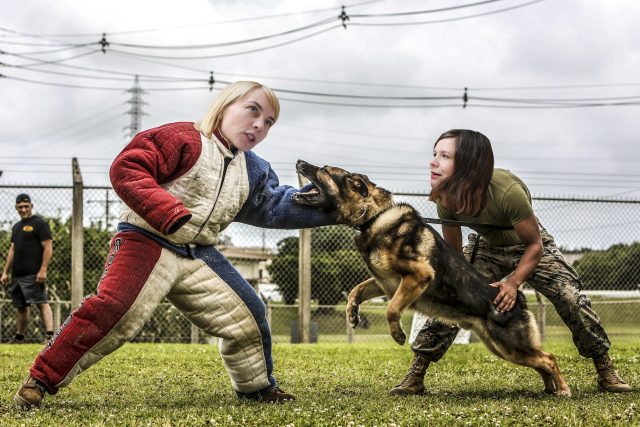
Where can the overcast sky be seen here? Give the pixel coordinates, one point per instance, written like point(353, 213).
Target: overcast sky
point(549, 54)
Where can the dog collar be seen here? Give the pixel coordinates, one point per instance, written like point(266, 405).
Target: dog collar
point(367, 224)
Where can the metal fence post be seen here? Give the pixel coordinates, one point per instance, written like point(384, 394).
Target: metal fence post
point(304, 281)
point(57, 312)
point(77, 237)
point(350, 334)
point(195, 332)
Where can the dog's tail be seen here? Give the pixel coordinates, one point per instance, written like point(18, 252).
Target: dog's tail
point(505, 317)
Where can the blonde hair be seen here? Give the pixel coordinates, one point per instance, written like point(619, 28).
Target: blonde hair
point(229, 95)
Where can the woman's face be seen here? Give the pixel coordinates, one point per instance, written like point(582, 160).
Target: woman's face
point(247, 120)
point(441, 164)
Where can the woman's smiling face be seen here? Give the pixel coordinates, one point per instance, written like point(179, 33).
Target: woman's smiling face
point(442, 164)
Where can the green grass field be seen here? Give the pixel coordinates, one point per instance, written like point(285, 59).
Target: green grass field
point(336, 385)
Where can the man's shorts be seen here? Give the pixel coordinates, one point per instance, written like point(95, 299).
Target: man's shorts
point(25, 291)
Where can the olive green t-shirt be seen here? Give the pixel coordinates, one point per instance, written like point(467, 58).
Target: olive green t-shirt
point(509, 203)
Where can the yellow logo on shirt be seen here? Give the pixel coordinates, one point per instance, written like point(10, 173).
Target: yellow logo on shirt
point(27, 228)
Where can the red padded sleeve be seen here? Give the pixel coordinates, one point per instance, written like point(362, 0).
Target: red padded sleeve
point(154, 157)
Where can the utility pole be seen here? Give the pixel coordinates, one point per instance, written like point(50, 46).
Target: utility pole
point(135, 112)
point(304, 280)
point(77, 237)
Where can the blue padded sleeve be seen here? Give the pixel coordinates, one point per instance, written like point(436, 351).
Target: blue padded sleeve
point(270, 205)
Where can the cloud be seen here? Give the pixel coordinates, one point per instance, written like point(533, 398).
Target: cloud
point(548, 44)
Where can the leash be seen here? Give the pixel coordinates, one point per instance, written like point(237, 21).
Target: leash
point(465, 224)
point(452, 222)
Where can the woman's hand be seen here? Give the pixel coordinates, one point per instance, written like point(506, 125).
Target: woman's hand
point(506, 298)
point(529, 233)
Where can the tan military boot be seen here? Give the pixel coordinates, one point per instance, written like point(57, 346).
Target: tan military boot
point(413, 383)
point(608, 379)
point(30, 393)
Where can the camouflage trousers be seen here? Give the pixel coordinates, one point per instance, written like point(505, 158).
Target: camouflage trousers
point(553, 277)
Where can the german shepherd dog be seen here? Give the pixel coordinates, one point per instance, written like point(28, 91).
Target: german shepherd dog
point(414, 267)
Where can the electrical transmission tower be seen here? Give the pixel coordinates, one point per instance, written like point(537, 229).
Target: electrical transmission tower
point(135, 112)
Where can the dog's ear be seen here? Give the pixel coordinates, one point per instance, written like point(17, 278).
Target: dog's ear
point(360, 186)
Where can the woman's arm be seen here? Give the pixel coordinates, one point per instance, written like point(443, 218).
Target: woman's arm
point(155, 156)
point(529, 234)
point(453, 236)
point(271, 205)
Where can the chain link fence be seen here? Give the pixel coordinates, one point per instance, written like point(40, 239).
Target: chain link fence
point(600, 238)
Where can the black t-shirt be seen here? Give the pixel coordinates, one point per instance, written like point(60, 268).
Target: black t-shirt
point(27, 237)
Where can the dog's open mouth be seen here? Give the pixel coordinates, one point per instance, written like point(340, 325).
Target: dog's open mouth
point(310, 194)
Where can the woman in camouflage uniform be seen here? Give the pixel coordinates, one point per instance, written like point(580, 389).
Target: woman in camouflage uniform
point(466, 187)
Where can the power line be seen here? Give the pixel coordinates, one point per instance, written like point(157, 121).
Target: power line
point(103, 71)
point(218, 72)
point(555, 100)
point(443, 20)
point(227, 21)
point(48, 44)
point(103, 42)
point(61, 84)
point(118, 79)
point(57, 61)
point(542, 104)
point(152, 77)
point(516, 144)
point(224, 44)
point(41, 52)
point(423, 12)
point(226, 55)
point(573, 86)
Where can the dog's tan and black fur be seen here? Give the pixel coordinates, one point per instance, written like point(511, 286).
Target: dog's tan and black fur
point(414, 267)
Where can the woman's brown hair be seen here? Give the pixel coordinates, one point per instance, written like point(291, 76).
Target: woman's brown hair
point(466, 190)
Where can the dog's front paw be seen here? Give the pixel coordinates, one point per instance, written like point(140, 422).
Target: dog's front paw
point(398, 335)
point(353, 317)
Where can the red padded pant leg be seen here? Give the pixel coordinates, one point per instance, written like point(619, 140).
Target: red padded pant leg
point(131, 260)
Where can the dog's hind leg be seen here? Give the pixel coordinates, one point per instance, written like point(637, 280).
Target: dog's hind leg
point(520, 344)
point(359, 294)
point(549, 385)
point(546, 364)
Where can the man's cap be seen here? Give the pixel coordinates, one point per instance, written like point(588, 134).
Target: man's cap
point(23, 198)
